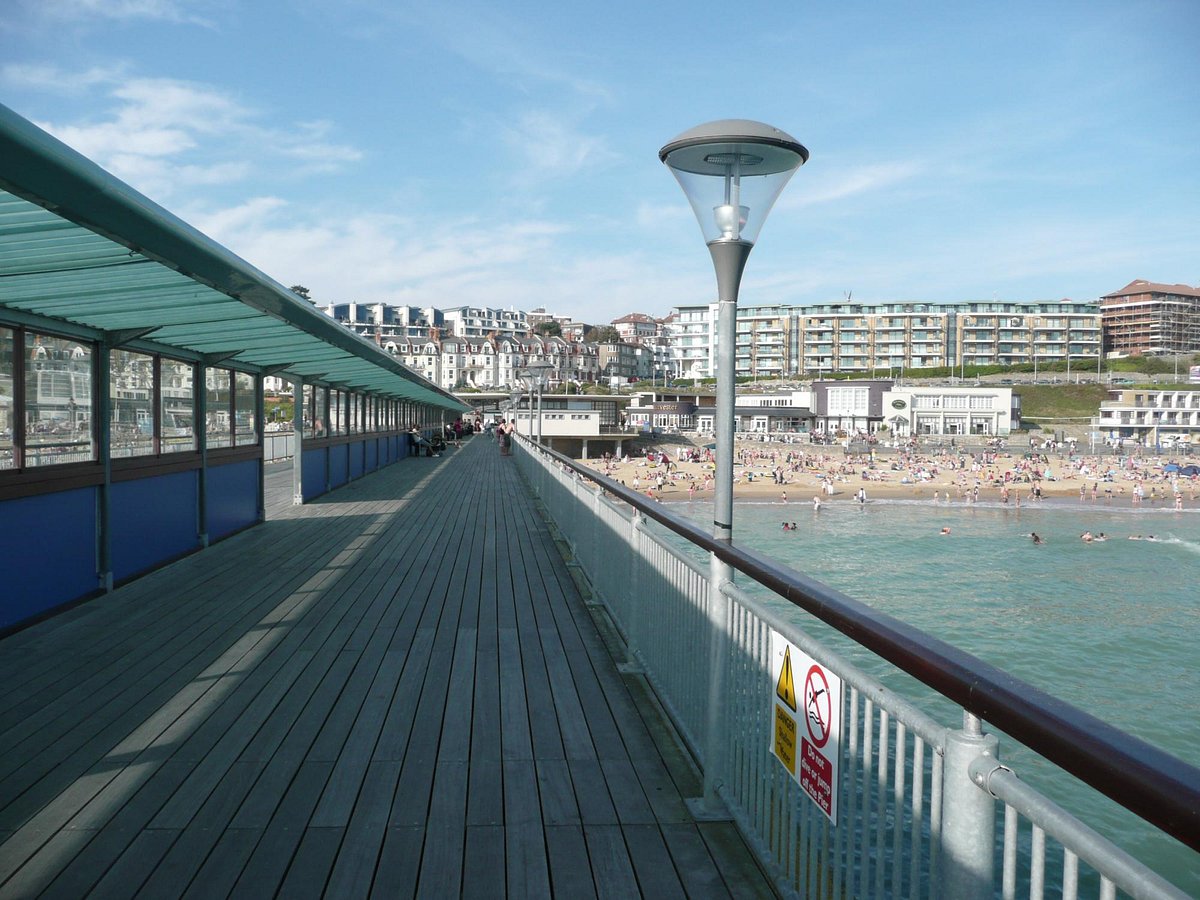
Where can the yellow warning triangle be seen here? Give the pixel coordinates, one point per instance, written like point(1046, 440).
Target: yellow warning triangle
point(786, 688)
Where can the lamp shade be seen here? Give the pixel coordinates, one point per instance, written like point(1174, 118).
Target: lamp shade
point(732, 171)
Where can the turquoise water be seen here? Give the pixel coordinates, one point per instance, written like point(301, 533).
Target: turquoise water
point(1111, 627)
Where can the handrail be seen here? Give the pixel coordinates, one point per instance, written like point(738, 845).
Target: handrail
point(1160, 788)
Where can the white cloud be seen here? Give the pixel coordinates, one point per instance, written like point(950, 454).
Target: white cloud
point(178, 11)
point(551, 147)
point(379, 258)
point(848, 183)
point(164, 136)
point(55, 80)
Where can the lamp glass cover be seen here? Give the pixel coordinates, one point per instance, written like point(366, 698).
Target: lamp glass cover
point(732, 185)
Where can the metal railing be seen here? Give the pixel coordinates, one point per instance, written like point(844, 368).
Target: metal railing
point(917, 801)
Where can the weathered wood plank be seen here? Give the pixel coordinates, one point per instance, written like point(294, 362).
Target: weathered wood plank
point(483, 865)
point(570, 868)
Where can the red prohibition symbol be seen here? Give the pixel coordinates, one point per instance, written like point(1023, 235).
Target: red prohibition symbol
point(818, 706)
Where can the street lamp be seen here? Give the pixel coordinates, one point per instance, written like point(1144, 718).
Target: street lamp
point(732, 171)
point(535, 375)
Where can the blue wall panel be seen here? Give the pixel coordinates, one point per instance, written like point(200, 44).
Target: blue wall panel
point(232, 501)
point(313, 473)
point(153, 520)
point(372, 448)
point(356, 451)
point(48, 552)
point(338, 465)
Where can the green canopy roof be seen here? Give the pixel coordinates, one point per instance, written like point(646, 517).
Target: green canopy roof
point(82, 248)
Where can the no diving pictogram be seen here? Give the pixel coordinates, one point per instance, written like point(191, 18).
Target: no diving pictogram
point(818, 705)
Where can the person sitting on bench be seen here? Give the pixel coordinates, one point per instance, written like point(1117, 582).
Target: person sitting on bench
point(420, 441)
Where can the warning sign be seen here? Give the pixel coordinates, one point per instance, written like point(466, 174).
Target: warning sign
point(785, 686)
point(815, 766)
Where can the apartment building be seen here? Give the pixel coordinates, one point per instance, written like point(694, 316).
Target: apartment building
point(1152, 417)
point(766, 342)
point(383, 321)
point(1030, 333)
point(477, 322)
point(493, 363)
point(866, 339)
point(637, 328)
point(1144, 317)
point(692, 335)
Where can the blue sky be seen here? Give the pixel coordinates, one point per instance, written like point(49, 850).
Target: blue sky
point(505, 154)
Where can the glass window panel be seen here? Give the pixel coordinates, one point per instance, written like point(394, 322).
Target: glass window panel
point(336, 416)
point(178, 406)
point(245, 400)
point(131, 413)
point(320, 412)
point(7, 400)
point(309, 406)
point(58, 401)
point(218, 425)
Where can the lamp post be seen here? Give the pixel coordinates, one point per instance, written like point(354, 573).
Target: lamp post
point(731, 171)
point(534, 375)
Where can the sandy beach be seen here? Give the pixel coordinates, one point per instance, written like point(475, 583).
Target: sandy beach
point(954, 476)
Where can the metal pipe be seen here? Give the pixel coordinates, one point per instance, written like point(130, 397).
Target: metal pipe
point(968, 816)
point(1002, 784)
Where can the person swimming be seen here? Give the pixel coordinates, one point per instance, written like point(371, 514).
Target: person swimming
point(1036, 539)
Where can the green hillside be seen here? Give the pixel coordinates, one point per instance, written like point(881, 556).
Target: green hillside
point(1060, 401)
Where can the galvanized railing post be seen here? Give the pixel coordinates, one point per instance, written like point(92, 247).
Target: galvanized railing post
point(968, 816)
point(715, 725)
point(633, 609)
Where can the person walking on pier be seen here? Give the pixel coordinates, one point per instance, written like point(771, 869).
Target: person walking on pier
point(504, 436)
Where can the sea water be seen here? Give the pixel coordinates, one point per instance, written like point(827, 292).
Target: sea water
point(1110, 626)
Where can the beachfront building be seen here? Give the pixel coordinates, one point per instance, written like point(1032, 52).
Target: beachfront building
point(382, 322)
point(1153, 418)
point(637, 328)
point(858, 338)
point(621, 363)
point(940, 410)
point(695, 412)
point(1147, 318)
point(846, 408)
point(693, 337)
point(782, 342)
point(494, 363)
point(1035, 333)
point(481, 321)
point(766, 342)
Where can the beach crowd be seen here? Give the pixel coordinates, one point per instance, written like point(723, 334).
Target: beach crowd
point(942, 474)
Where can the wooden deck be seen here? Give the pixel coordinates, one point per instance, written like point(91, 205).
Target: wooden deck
point(394, 691)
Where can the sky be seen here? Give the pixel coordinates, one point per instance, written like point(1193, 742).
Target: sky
point(506, 154)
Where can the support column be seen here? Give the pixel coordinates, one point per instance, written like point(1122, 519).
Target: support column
point(729, 260)
point(968, 817)
point(297, 442)
point(201, 429)
point(103, 431)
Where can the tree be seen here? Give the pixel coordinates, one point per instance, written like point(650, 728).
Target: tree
point(551, 328)
point(300, 291)
point(607, 335)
